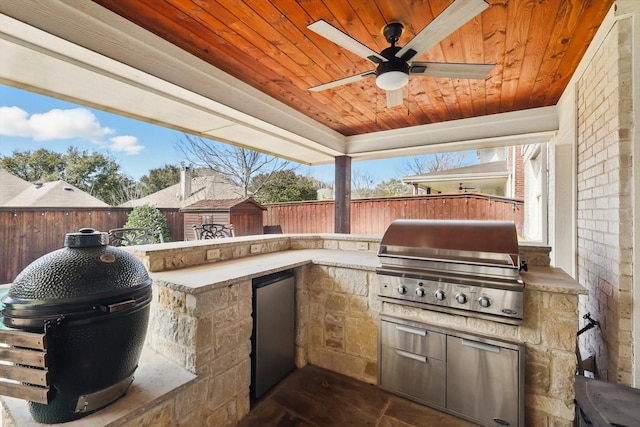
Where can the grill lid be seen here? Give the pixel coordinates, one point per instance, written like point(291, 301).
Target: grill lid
point(452, 245)
point(84, 279)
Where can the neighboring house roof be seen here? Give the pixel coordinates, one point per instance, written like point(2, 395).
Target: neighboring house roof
point(476, 177)
point(202, 188)
point(54, 194)
point(11, 186)
point(220, 205)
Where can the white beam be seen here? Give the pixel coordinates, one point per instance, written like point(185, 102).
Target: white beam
point(514, 128)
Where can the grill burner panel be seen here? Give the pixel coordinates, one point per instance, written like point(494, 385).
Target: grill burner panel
point(464, 267)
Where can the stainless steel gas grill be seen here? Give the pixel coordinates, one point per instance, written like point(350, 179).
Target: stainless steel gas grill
point(470, 268)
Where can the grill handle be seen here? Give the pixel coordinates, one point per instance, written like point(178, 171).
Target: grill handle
point(417, 357)
point(409, 330)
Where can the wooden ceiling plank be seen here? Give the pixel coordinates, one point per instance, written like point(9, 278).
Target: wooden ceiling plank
point(538, 41)
point(452, 49)
point(172, 24)
point(588, 17)
point(556, 49)
point(347, 20)
point(518, 25)
point(370, 16)
point(494, 30)
point(473, 52)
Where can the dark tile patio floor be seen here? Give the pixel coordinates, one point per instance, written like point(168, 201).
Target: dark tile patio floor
point(314, 397)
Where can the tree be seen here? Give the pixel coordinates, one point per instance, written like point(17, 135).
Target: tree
point(149, 217)
point(159, 179)
point(285, 186)
point(392, 187)
point(418, 165)
point(362, 184)
point(237, 164)
point(95, 173)
point(40, 165)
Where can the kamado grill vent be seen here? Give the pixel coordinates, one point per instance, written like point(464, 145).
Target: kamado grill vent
point(470, 268)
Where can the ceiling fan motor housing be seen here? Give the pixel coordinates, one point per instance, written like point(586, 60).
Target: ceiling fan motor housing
point(393, 74)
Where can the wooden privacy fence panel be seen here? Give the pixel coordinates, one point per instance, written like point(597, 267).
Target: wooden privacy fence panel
point(28, 233)
point(302, 217)
point(372, 216)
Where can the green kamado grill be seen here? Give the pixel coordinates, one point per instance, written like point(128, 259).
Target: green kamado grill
point(92, 301)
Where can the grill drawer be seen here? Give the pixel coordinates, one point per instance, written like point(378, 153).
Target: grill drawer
point(414, 340)
point(413, 375)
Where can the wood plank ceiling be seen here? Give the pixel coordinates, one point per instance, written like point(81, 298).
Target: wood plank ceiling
point(535, 44)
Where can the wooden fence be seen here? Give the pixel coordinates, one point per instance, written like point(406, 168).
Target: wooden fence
point(28, 233)
point(372, 216)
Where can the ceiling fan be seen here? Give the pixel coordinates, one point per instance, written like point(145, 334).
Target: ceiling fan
point(393, 66)
point(465, 189)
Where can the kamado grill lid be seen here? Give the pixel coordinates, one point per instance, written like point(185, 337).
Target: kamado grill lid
point(86, 278)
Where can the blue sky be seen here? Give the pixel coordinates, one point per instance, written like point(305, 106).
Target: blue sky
point(29, 121)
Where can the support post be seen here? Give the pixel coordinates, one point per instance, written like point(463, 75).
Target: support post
point(343, 194)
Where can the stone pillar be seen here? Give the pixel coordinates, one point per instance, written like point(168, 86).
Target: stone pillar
point(343, 194)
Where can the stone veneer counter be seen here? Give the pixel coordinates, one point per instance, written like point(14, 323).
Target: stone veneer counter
point(202, 277)
point(201, 321)
point(211, 276)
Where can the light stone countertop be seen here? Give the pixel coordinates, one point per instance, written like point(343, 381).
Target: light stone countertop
point(156, 379)
point(210, 276)
point(552, 279)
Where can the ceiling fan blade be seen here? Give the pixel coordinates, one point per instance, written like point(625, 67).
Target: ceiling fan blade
point(453, 17)
point(344, 81)
point(394, 98)
point(451, 70)
point(331, 33)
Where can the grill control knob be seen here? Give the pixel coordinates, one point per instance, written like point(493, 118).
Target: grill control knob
point(484, 302)
point(461, 298)
point(440, 295)
point(402, 289)
point(420, 292)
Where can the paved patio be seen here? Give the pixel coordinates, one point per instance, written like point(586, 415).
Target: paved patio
point(314, 397)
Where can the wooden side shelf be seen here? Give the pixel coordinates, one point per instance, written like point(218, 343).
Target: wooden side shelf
point(24, 371)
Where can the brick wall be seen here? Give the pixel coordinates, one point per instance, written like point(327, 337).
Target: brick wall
point(604, 178)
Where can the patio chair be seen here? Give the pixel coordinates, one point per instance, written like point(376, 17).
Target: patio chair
point(213, 231)
point(134, 236)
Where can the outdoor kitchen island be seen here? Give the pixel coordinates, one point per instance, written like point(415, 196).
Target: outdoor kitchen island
point(201, 321)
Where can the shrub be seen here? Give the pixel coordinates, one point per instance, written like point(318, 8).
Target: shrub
point(149, 217)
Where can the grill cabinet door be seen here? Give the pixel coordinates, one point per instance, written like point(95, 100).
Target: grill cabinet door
point(412, 362)
point(482, 381)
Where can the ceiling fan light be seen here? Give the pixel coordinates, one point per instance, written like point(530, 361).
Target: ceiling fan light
point(392, 80)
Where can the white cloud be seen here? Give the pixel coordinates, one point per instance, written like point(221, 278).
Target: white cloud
point(52, 125)
point(127, 144)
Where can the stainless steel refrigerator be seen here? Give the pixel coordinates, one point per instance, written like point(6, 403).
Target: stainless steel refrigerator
point(273, 338)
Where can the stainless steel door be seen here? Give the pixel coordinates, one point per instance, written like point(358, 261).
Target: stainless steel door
point(482, 381)
point(273, 340)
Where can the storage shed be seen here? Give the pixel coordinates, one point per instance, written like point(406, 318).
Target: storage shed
point(244, 213)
